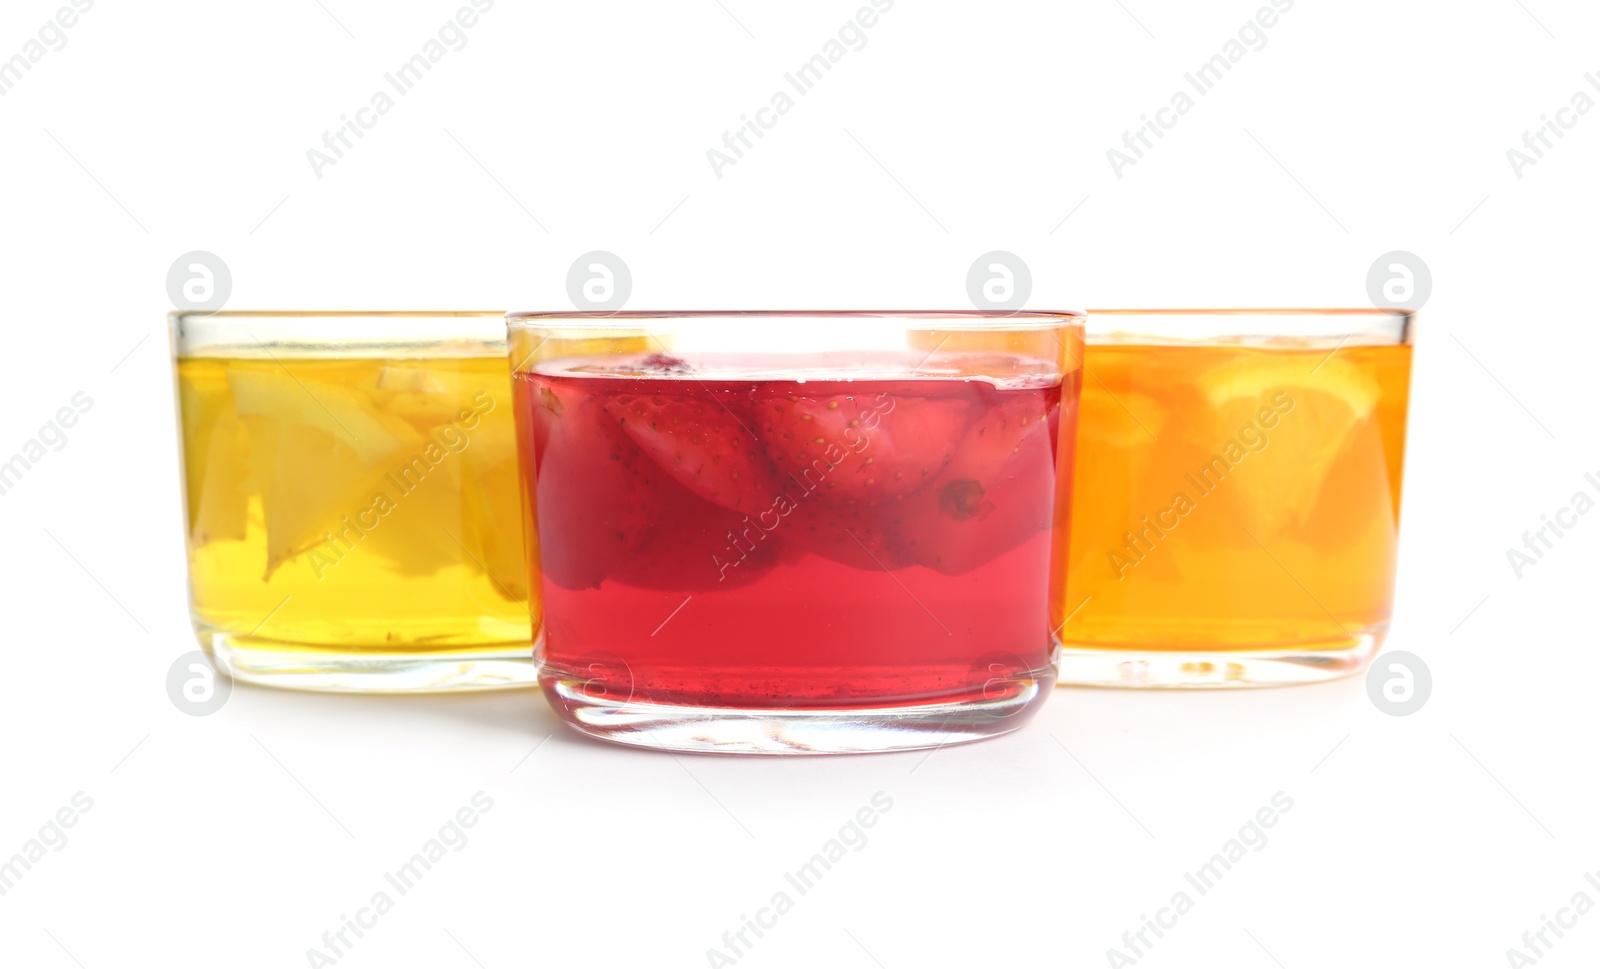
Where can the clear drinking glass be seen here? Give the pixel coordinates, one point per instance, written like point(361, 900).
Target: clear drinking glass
point(796, 532)
point(1238, 496)
point(354, 512)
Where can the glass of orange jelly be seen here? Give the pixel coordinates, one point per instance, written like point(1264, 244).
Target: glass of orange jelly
point(354, 518)
point(1237, 496)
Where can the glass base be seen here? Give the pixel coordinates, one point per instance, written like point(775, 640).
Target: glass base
point(297, 666)
point(1088, 664)
point(998, 709)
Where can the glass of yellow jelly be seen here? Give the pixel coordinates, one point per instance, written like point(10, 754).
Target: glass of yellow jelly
point(1236, 502)
point(354, 516)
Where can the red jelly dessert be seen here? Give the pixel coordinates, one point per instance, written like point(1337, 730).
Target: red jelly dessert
point(717, 534)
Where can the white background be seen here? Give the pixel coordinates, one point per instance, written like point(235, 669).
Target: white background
point(1361, 127)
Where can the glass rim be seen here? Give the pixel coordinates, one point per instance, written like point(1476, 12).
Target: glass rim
point(946, 319)
point(177, 316)
point(1358, 326)
point(336, 333)
point(1293, 311)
